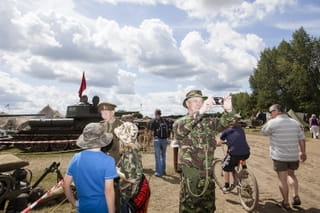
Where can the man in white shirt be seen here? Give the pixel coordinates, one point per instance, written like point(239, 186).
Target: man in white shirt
point(287, 147)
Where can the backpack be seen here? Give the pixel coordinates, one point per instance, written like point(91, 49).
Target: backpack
point(139, 202)
point(162, 130)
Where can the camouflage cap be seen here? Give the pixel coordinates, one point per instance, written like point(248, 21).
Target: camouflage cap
point(93, 136)
point(127, 132)
point(106, 106)
point(229, 118)
point(192, 94)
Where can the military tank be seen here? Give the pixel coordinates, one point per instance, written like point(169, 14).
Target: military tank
point(55, 134)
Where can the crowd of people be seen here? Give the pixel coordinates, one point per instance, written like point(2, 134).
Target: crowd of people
point(108, 173)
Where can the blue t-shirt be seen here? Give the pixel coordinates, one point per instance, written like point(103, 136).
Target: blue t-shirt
point(89, 171)
point(236, 141)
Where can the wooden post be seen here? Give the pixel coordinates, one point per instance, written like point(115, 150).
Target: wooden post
point(175, 148)
point(175, 158)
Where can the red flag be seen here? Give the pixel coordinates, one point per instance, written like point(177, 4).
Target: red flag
point(83, 85)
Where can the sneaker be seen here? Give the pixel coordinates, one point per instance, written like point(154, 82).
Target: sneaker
point(296, 201)
point(226, 189)
point(232, 186)
point(157, 175)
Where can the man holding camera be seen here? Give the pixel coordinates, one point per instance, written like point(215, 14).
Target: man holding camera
point(195, 134)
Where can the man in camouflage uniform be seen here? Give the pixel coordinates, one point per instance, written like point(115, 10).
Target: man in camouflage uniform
point(110, 122)
point(195, 134)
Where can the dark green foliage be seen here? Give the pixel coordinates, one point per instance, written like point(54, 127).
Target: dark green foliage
point(289, 75)
point(242, 104)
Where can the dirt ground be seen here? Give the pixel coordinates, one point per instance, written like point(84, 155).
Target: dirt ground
point(165, 190)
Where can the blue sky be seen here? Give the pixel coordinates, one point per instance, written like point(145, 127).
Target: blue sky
point(138, 54)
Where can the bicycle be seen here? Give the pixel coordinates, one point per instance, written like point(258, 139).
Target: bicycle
point(244, 181)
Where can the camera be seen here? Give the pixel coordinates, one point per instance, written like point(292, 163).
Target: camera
point(218, 100)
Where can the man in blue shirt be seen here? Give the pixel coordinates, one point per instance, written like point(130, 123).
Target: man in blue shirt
point(92, 172)
point(238, 148)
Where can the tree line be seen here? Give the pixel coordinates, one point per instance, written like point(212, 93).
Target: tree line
point(288, 74)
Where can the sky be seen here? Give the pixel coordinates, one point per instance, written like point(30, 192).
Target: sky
point(141, 55)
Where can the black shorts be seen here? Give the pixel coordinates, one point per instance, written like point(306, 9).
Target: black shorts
point(229, 162)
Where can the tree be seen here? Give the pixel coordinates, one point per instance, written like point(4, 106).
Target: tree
point(242, 104)
point(289, 75)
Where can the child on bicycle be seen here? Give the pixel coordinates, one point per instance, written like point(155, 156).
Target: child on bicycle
point(238, 148)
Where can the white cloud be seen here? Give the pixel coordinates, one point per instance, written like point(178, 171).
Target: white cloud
point(247, 12)
point(126, 82)
point(25, 98)
point(226, 57)
point(52, 42)
point(236, 11)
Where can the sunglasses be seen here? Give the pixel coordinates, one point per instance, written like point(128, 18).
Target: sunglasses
point(271, 111)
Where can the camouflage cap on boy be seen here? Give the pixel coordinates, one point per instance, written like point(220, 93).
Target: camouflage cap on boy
point(127, 133)
point(93, 136)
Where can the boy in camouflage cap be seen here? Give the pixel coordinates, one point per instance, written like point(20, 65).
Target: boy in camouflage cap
point(94, 184)
point(195, 134)
point(130, 164)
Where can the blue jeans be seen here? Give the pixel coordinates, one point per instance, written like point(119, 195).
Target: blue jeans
point(160, 148)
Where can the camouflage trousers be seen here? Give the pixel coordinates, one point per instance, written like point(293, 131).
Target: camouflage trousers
point(202, 204)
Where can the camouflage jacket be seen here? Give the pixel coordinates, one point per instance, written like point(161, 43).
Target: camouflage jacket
point(131, 165)
point(114, 148)
point(195, 134)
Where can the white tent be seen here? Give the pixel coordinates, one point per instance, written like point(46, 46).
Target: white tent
point(298, 116)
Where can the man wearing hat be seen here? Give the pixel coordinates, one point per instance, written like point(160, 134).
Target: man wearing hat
point(94, 184)
point(195, 134)
point(110, 122)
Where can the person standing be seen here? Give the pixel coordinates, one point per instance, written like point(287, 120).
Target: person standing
point(160, 128)
point(94, 184)
point(130, 165)
point(287, 147)
point(195, 135)
point(314, 126)
point(110, 122)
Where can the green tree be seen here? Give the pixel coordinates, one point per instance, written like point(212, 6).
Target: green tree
point(241, 103)
point(289, 75)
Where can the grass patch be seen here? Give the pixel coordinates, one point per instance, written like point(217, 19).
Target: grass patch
point(38, 164)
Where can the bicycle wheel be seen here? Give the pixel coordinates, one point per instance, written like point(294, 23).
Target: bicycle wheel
point(248, 190)
point(218, 172)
